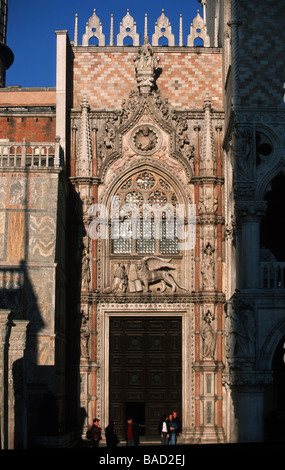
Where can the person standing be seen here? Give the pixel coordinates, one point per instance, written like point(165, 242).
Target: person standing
point(163, 430)
point(95, 433)
point(177, 420)
point(111, 437)
point(133, 435)
point(173, 429)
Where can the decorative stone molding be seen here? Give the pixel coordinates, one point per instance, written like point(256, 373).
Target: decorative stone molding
point(247, 379)
point(244, 191)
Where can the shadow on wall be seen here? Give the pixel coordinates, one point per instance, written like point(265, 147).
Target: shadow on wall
point(30, 408)
point(274, 404)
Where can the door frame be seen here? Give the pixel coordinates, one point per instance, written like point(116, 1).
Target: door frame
point(186, 313)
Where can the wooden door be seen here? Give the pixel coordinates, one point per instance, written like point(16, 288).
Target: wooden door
point(145, 370)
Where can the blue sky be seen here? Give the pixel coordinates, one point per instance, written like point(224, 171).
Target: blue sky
point(32, 26)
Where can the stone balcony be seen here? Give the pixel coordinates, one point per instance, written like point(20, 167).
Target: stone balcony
point(38, 155)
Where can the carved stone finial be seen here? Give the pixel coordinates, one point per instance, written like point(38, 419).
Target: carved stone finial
point(198, 29)
point(128, 28)
point(163, 29)
point(145, 66)
point(93, 28)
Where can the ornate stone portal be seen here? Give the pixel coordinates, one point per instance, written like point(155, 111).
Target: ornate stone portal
point(147, 159)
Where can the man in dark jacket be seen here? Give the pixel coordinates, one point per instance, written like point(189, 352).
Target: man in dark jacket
point(95, 433)
point(133, 434)
point(177, 420)
point(111, 437)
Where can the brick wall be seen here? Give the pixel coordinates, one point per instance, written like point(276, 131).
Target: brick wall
point(27, 113)
point(107, 75)
point(33, 129)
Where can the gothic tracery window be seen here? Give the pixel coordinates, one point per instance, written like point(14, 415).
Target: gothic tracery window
point(151, 194)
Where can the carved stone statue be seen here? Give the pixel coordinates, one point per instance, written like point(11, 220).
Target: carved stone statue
point(86, 275)
point(240, 334)
point(145, 66)
point(120, 279)
point(134, 283)
point(153, 269)
point(84, 334)
point(209, 336)
point(208, 268)
point(145, 139)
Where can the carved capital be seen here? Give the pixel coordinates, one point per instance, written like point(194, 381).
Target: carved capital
point(251, 209)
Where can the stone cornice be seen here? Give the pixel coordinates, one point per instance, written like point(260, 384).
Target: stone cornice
point(149, 298)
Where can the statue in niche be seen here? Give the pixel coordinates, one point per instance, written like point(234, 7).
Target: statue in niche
point(243, 146)
point(209, 336)
point(120, 279)
point(84, 334)
point(240, 332)
point(86, 274)
point(208, 268)
point(153, 269)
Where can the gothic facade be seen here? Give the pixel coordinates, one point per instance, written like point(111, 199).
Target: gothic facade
point(141, 256)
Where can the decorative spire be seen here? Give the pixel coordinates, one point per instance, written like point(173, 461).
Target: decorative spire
point(180, 31)
point(198, 29)
point(128, 27)
point(85, 151)
point(76, 30)
point(93, 29)
point(145, 26)
point(208, 153)
point(112, 30)
point(163, 29)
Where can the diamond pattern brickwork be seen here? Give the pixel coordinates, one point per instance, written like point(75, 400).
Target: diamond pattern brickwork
point(108, 77)
point(262, 39)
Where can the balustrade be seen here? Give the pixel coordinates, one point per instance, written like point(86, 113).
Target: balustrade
point(30, 154)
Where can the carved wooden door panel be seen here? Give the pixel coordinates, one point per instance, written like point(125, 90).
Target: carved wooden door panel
point(145, 370)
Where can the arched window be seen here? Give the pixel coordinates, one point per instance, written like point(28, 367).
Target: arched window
point(152, 200)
